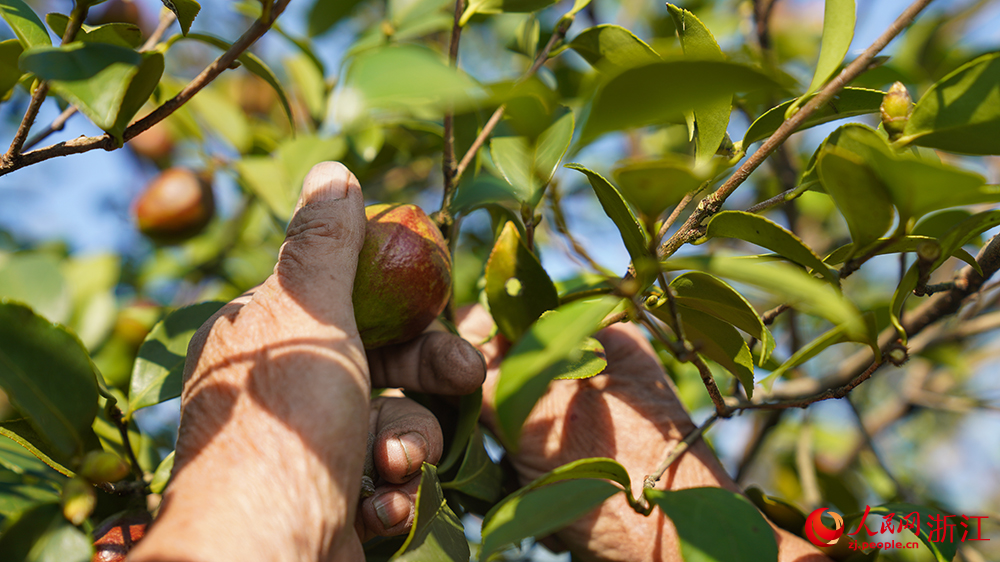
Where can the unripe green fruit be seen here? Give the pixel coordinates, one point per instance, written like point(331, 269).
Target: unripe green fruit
point(118, 535)
point(176, 206)
point(101, 466)
point(78, 500)
point(896, 109)
point(403, 280)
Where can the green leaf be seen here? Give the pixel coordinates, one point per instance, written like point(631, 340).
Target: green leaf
point(859, 194)
point(716, 339)
point(528, 166)
point(895, 246)
point(162, 474)
point(139, 91)
point(437, 534)
point(938, 224)
point(92, 76)
point(122, 34)
point(10, 73)
point(42, 534)
point(939, 543)
point(633, 235)
point(21, 492)
point(664, 92)
point(838, 31)
point(789, 283)
point(404, 77)
point(535, 359)
point(266, 179)
point(20, 431)
point(469, 407)
point(541, 511)
point(185, 10)
point(849, 102)
point(698, 513)
point(591, 362)
point(27, 26)
point(839, 334)
point(224, 116)
point(517, 287)
point(324, 14)
point(307, 77)
point(35, 279)
point(256, 66)
point(714, 296)
point(483, 190)
point(652, 186)
point(49, 378)
point(711, 117)
point(501, 6)
point(159, 368)
point(764, 232)
point(960, 113)
point(478, 476)
point(612, 48)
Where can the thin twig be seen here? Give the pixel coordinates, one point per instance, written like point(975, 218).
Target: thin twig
point(679, 449)
point(870, 442)
point(778, 199)
point(107, 142)
point(770, 421)
point(688, 197)
point(769, 317)
point(711, 204)
point(448, 149)
point(166, 19)
point(118, 418)
point(559, 219)
point(543, 56)
point(805, 401)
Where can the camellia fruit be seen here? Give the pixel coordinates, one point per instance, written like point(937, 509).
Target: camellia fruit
point(116, 537)
point(403, 280)
point(176, 206)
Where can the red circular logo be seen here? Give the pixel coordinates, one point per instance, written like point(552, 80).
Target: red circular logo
point(818, 533)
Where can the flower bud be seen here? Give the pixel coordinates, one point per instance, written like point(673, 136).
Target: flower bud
point(102, 466)
point(78, 500)
point(897, 356)
point(896, 109)
point(928, 251)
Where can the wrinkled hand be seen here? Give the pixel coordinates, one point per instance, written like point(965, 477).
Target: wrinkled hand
point(275, 410)
point(630, 413)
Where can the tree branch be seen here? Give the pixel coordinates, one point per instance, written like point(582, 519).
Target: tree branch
point(448, 150)
point(106, 142)
point(710, 205)
point(679, 449)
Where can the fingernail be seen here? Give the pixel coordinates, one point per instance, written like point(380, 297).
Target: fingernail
point(392, 508)
point(414, 448)
point(326, 181)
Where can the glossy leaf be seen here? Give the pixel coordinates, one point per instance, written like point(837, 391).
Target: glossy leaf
point(256, 66)
point(633, 235)
point(324, 14)
point(791, 284)
point(92, 76)
point(541, 511)
point(162, 475)
point(895, 246)
point(838, 334)
point(717, 340)
point(652, 186)
point(849, 102)
point(942, 544)
point(478, 476)
point(116, 33)
point(139, 91)
point(529, 165)
point(764, 232)
point(714, 296)
point(938, 224)
point(535, 359)
point(185, 10)
point(469, 407)
point(20, 431)
point(34, 278)
point(592, 362)
point(664, 91)
point(10, 73)
point(960, 113)
point(49, 378)
point(698, 513)
point(481, 191)
point(712, 116)
point(27, 26)
point(517, 287)
point(612, 48)
point(859, 194)
point(838, 31)
point(437, 533)
point(42, 534)
point(159, 368)
point(501, 6)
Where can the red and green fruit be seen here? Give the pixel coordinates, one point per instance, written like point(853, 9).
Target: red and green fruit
point(176, 206)
point(403, 280)
point(116, 537)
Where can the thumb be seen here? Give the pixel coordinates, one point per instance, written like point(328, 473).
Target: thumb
point(319, 257)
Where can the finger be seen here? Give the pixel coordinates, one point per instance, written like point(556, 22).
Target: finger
point(406, 436)
point(390, 511)
point(318, 260)
point(435, 362)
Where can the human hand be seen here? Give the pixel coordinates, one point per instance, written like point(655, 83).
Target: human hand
point(630, 413)
point(275, 410)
